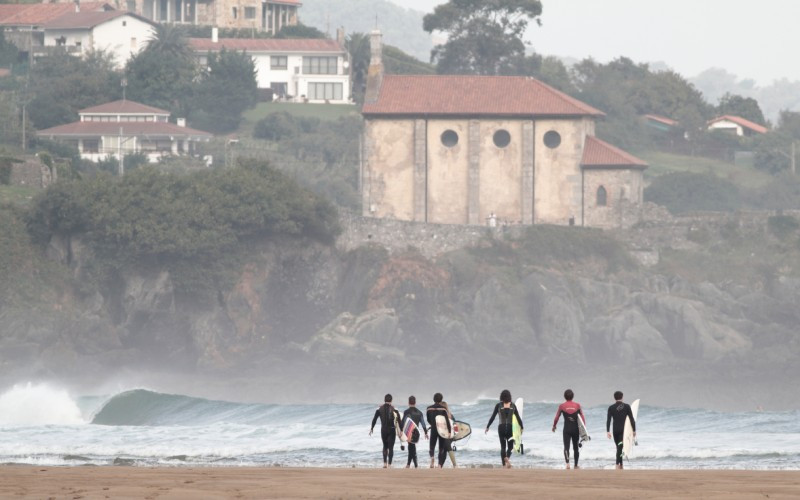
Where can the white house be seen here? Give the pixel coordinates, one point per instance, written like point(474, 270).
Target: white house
point(312, 70)
point(126, 127)
point(736, 125)
point(122, 34)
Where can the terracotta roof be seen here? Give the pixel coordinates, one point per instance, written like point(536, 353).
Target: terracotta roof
point(663, 119)
point(600, 154)
point(267, 44)
point(755, 127)
point(124, 107)
point(96, 129)
point(286, 2)
point(86, 20)
point(41, 13)
point(473, 95)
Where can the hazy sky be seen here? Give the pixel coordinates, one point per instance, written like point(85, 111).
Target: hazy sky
point(757, 40)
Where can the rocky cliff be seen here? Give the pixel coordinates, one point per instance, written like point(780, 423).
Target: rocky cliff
point(312, 320)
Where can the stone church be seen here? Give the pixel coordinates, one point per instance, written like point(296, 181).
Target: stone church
point(489, 150)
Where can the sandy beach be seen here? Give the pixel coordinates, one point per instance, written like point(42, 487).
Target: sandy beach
point(209, 483)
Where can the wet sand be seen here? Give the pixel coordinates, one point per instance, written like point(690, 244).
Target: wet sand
point(208, 483)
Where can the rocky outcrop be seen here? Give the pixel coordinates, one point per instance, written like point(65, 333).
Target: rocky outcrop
point(307, 304)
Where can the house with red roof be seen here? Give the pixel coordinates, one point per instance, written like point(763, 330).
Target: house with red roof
point(262, 15)
point(308, 70)
point(116, 32)
point(124, 127)
point(458, 149)
point(23, 24)
point(736, 125)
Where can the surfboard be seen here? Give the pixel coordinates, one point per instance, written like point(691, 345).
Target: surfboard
point(516, 430)
point(584, 434)
point(441, 427)
point(408, 432)
point(398, 430)
point(627, 435)
point(463, 430)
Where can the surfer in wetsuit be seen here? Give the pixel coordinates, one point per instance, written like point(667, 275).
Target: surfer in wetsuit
point(618, 412)
point(572, 412)
point(413, 414)
point(388, 416)
point(507, 410)
point(439, 409)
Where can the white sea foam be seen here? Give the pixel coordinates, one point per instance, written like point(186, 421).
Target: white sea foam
point(38, 404)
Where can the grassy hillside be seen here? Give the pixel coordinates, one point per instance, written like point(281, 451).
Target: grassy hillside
point(325, 112)
point(16, 195)
point(665, 163)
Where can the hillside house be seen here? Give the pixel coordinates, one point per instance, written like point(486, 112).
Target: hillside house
point(23, 24)
point(119, 33)
point(478, 149)
point(736, 125)
point(308, 70)
point(127, 127)
point(263, 15)
point(661, 123)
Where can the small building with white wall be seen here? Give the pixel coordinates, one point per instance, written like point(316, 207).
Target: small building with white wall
point(127, 127)
point(736, 125)
point(119, 33)
point(307, 70)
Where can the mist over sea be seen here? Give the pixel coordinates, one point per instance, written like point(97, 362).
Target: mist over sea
point(43, 425)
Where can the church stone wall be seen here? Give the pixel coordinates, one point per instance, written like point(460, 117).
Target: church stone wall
point(388, 175)
point(623, 190)
point(501, 172)
point(448, 177)
point(557, 171)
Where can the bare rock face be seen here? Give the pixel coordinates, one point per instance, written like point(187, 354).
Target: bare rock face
point(374, 334)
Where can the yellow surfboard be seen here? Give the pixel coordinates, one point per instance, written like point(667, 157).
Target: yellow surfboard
point(516, 429)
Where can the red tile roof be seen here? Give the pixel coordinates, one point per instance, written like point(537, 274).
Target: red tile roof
point(600, 154)
point(473, 95)
point(124, 107)
point(755, 127)
point(41, 13)
point(84, 19)
point(96, 129)
point(663, 119)
point(286, 2)
point(267, 44)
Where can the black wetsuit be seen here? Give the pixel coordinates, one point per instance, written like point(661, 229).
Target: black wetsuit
point(415, 416)
point(434, 410)
point(617, 412)
point(505, 429)
point(387, 414)
point(572, 412)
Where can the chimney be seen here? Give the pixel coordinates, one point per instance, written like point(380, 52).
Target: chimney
point(340, 36)
point(375, 71)
point(214, 35)
point(181, 122)
point(77, 5)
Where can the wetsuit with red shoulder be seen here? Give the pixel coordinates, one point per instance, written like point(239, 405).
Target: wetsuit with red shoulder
point(572, 412)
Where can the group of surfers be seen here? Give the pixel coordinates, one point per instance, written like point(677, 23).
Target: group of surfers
point(506, 410)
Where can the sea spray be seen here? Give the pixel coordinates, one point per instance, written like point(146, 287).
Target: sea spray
point(38, 404)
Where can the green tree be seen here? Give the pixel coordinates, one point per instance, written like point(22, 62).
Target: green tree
point(744, 107)
point(9, 53)
point(62, 84)
point(163, 73)
point(775, 149)
point(484, 36)
point(224, 92)
point(300, 31)
point(357, 45)
point(685, 192)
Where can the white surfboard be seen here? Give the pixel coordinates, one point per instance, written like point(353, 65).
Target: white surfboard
point(627, 436)
point(516, 429)
point(582, 432)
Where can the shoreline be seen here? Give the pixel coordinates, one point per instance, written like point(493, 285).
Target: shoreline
point(88, 482)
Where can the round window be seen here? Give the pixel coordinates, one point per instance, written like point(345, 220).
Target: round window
point(502, 138)
point(552, 139)
point(449, 138)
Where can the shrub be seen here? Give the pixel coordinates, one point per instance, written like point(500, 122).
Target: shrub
point(682, 192)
